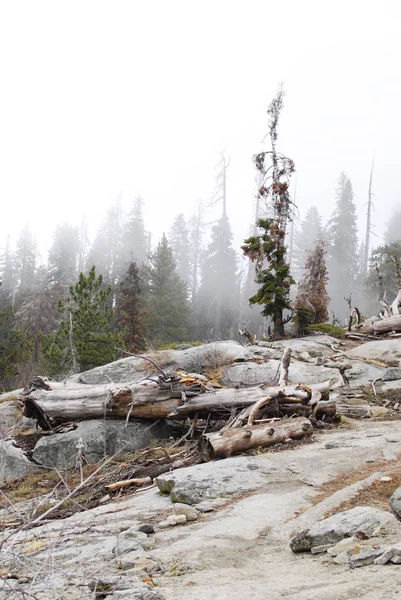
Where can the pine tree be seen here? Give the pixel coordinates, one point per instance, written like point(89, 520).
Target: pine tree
point(63, 258)
point(393, 229)
point(106, 253)
point(25, 262)
point(15, 347)
point(37, 314)
point(167, 308)
point(268, 249)
point(218, 295)
point(8, 275)
point(196, 249)
point(384, 275)
point(310, 229)
point(85, 337)
point(178, 240)
point(343, 247)
point(312, 290)
point(135, 245)
point(129, 315)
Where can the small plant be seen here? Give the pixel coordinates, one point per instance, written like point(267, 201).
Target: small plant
point(328, 329)
point(34, 546)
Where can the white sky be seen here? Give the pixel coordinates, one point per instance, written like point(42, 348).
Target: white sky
point(140, 97)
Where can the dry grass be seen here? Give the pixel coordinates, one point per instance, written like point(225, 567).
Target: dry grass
point(375, 494)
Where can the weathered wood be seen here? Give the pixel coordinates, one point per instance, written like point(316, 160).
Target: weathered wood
point(138, 481)
point(80, 402)
point(240, 398)
point(234, 441)
point(284, 366)
point(93, 402)
point(387, 325)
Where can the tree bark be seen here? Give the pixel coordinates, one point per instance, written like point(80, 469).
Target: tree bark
point(50, 407)
point(386, 325)
point(234, 441)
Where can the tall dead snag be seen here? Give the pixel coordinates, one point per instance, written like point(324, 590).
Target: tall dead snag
point(267, 249)
point(368, 225)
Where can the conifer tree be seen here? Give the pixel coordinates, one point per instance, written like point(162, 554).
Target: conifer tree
point(37, 312)
point(25, 262)
point(85, 337)
point(8, 275)
point(343, 247)
point(268, 249)
point(218, 296)
point(15, 347)
point(310, 229)
point(129, 315)
point(63, 259)
point(393, 228)
point(196, 249)
point(167, 308)
point(106, 251)
point(312, 290)
point(135, 244)
point(384, 275)
point(178, 240)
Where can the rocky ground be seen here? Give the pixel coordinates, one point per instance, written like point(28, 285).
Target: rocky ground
point(223, 529)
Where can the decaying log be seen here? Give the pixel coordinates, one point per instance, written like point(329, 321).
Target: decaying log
point(394, 307)
point(386, 325)
point(139, 481)
point(96, 402)
point(51, 407)
point(229, 398)
point(234, 441)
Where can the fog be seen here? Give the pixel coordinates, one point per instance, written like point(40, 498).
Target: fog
point(102, 98)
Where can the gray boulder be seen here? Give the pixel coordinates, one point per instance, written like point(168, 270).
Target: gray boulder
point(206, 481)
point(392, 374)
point(99, 438)
point(13, 462)
point(381, 350)
point(395, 502)
point(10, 415)
point(196, 359)
point(362, 520)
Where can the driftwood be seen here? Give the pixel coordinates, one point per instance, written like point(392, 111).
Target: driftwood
point(139, 481)
point(50, 407)
point(234, 441)
point(386, 325)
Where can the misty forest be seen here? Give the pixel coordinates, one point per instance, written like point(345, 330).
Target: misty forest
point(92, 301)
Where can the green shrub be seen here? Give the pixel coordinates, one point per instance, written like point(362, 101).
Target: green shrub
point(328, 329)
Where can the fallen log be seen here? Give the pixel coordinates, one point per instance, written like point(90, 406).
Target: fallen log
point(50, 407)
point(138, 481)
point(387, 325)
point(240, 398)
point(234, 441)
point(54, 406)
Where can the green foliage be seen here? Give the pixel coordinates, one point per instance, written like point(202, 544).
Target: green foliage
point(328, 329)
point(303, 319)
point(268, 249)
point(272, 270)
point(85, 338)
point(129, 315)
point(15, 347)
point(312, 292)
point(167, 310)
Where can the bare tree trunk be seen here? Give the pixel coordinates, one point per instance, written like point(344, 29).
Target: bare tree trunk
point(234, 441)
point(368, 225)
